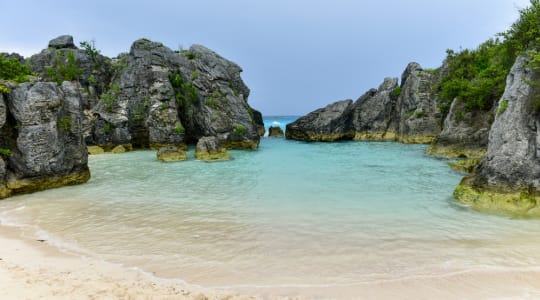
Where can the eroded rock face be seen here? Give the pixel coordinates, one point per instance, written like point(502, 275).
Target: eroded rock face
point(465, 133)
point(96, 69)
point(209, 148)
point(44, 135)
point(331, 123)
point(159, 97)
point(418, 114)
point(508, 177)
point(408, 113)
point(373, 113)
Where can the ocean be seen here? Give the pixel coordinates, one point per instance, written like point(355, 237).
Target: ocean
point(291, 214)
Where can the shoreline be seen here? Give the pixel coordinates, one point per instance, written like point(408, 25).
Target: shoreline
point(35, 269)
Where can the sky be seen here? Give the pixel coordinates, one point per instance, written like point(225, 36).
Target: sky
point(297, 55)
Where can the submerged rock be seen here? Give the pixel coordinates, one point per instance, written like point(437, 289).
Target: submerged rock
point(171, 153)
point(95, 150)
point(275, 131)
point(209, 148)
point(508, 177)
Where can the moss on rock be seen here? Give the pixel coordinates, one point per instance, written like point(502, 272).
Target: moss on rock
point(34, 184)
point(513, 203)
point(456, 152)
point(95, 150)
point(464, 165)
point(171, 153)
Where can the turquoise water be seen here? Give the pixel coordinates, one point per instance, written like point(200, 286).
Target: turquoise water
point(289, 214)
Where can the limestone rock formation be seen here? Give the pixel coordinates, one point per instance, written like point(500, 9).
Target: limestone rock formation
point(43, 133)
point(159, 97)
point(408, 113)
point(508, 177)
point(275, 131)
point(62, 60)
point(209, 148)
point(373, 113)
point(327, 124)
point(171, 153)
point(465, 133)
point(418, 114)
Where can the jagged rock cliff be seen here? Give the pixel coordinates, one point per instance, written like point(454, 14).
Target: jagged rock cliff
point(41, 126)
point(408, 113)
point(508, 177)
point(160, 97)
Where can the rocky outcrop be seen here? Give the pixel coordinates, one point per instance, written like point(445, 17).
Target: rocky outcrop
point(62, 60)
point(210, 149)
point(408, 113)
point(326, 124)
point(171, 153)
point(465, 133)
point(62, 42)
point(373, 113)
point(159, 97)
point(508, 177)
point(42, 134)
point(418, 114)
point(275, 131)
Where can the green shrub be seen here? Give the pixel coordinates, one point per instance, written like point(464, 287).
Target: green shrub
point(240, 129)
point(179, 129)
point(107, 128)
point(12, 69)
point(5, 152)
point(420, 114)
point(502, 107)
point(397, 91)
point(64, 69)
point(65, 123)
point(194, 75)
point(4, 90)
point(110, 97)
point(478, 77)
point(91, 50)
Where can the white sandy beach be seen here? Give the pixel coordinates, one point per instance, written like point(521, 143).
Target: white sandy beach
point(30, 269)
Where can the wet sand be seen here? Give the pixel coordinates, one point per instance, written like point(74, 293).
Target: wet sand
point(32, 269)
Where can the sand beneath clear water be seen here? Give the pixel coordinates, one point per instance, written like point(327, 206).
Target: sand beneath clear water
point(32, 269)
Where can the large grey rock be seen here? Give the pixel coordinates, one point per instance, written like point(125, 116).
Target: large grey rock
point(331, 123)
point(3, 111)
point(465, 133)
point(418, 115)
point(508, 177)
point(62, 42)
point(47, 149)
point(160, 97)
point(409, 113)
point(373, 113)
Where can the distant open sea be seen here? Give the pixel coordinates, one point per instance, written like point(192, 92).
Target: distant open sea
point(289, 214)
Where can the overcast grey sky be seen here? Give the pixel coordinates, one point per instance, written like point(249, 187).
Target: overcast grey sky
point(297, 55)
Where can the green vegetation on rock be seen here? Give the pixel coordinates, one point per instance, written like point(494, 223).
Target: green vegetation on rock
point(13, 69)
point(502, 107)
point(478, 77)
point(64, 69)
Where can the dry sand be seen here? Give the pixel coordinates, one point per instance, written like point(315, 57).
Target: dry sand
point(30, 269)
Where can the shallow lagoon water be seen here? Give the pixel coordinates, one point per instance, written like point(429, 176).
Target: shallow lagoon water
point(290, 214)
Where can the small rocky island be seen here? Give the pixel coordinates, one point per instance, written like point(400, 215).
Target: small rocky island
point(65, 98)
